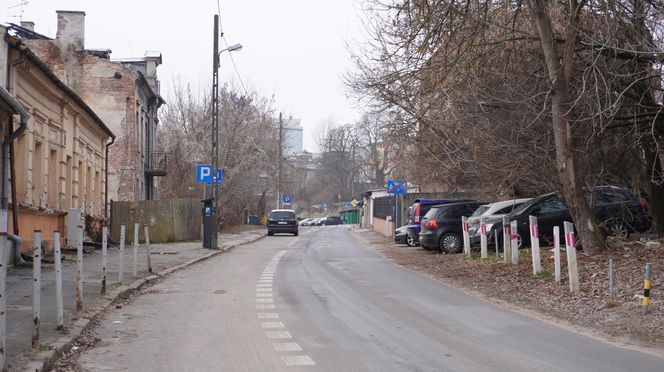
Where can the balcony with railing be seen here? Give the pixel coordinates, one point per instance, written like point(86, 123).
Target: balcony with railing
point(155, 164)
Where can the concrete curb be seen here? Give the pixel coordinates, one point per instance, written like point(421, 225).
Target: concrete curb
point(45, 360)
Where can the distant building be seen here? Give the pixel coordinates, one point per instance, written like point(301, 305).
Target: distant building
point(293, 136)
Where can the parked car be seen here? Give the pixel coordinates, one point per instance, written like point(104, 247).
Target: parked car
point(282, 221)
point(441, 227)
point(418, 210)
point(401, 235)
point(306, 222)
point(332, 220)
point(617, 210)
point(491, 213)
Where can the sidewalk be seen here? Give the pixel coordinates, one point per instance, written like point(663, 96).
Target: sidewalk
point(165, 259)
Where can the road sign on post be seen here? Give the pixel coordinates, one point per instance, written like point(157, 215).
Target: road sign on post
point(353, 203)
point(325, 206)
point(287, 199)
point(398, 187)
point(203, 173)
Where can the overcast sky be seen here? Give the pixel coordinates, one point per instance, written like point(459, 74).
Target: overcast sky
point(293, 49)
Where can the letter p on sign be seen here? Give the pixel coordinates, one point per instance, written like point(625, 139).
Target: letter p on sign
point(203, 173)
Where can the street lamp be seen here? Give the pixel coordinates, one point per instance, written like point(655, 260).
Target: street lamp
point(215, 122)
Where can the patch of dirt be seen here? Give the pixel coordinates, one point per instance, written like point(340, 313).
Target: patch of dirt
point(618, 317)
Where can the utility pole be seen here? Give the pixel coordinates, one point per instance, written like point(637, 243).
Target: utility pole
point(215, 129)
point(352, 179)
point(281, 129)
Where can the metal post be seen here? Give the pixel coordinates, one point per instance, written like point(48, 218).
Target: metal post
point(281, 145)
point(483, 239)
point(646, 289)
point(496, 241)
point(60, 324)
point(611, 277)
point(215, 126)
point(104, 258)
point(36, 287)
point(147, 247)
point(3, 299)
point(507, 243)
point(79, 271)
point(135, 255)
point(514, 242)
point(466, 237)
point(572, 267)
point(534, 246)
point(556, 252)
point(123, 230)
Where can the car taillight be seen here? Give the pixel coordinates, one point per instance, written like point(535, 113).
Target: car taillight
point(432, 224)
point(645, 205)
point(417, 214)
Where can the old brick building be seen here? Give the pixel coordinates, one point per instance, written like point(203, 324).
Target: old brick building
point(59, 157)
point(124, 93)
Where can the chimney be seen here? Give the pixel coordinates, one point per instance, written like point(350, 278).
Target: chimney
point(71, 29)
point(152, 61)
point(28, 25)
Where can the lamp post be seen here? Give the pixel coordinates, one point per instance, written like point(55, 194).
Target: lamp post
point(215, 121)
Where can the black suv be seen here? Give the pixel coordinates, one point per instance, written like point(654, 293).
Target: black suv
point(441, 226)
point(332, 220)
point(282, 221)
point(617, 210)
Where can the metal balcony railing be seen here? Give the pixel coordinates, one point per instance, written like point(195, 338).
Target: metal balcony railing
point(155, 164)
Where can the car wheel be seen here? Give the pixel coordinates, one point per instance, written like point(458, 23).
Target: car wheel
point(295, 233)
point(410, 241)
point(619, 229)
point(270, 233)
point(450, 243)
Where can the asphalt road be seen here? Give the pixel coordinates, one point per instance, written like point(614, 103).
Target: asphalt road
point(325, 301)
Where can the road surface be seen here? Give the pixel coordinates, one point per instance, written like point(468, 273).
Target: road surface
point(325, 301)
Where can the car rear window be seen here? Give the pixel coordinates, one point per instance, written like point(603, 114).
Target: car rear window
point(432, 212)
point(282, 215)
point(480, 211)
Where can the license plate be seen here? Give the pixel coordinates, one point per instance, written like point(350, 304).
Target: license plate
point(282, 222)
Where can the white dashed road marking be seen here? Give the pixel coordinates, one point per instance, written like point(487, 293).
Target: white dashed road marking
point(264, 301)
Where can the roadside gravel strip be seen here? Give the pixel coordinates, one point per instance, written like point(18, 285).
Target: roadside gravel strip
point(68, 344)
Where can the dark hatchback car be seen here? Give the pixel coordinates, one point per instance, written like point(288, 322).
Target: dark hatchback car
point(441, 226)
point(418, 210)
point(332, 220)
point(282, 221)
point(617, 210)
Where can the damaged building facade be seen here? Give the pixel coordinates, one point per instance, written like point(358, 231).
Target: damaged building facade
point(54, 147)
point(124, 93)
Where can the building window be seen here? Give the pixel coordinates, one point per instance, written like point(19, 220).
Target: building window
point(69, 182)
point(53, 180)
point(37, 174)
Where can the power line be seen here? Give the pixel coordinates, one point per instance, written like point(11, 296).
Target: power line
point(237, 72)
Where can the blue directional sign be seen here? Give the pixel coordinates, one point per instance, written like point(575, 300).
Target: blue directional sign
point(346, 205)
point(218, 178)
point(203, 172)
point(325, 206)
point(287, 199)
point(398, 187)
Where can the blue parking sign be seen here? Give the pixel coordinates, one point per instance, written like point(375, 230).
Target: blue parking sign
point(287, 199)
point(203, 173)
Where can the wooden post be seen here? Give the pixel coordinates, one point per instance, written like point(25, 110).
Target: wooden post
point(57, 251)
point(572, 267)
point(79, 271)
point(514, 242)
point(483, 240)
point(4, 246)
point(147, 247)
point(36, 287)
point(466, 237)
point(135, 257)
point(556, 252)
point(104, 258)
point(123, 230)
point(534, 245)
point(507, 243)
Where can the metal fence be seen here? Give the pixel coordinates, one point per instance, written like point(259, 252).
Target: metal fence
point(383, 207)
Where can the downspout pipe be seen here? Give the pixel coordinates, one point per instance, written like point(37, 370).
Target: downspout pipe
point(18, 108)
point(106, 216)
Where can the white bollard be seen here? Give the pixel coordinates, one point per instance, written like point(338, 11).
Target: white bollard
point(556, 252)
point(495, 238)
point(36, 287)
point(483, 240)
point(572, 267)
point(534, 246)
point(507, 241)
point(466, 236)
point(123, 230)
point(135, 257)
point(147, 247)
point(79, 271)
point(3, 299)
point(57, 254)
point(104, 258)
point(514, 242)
